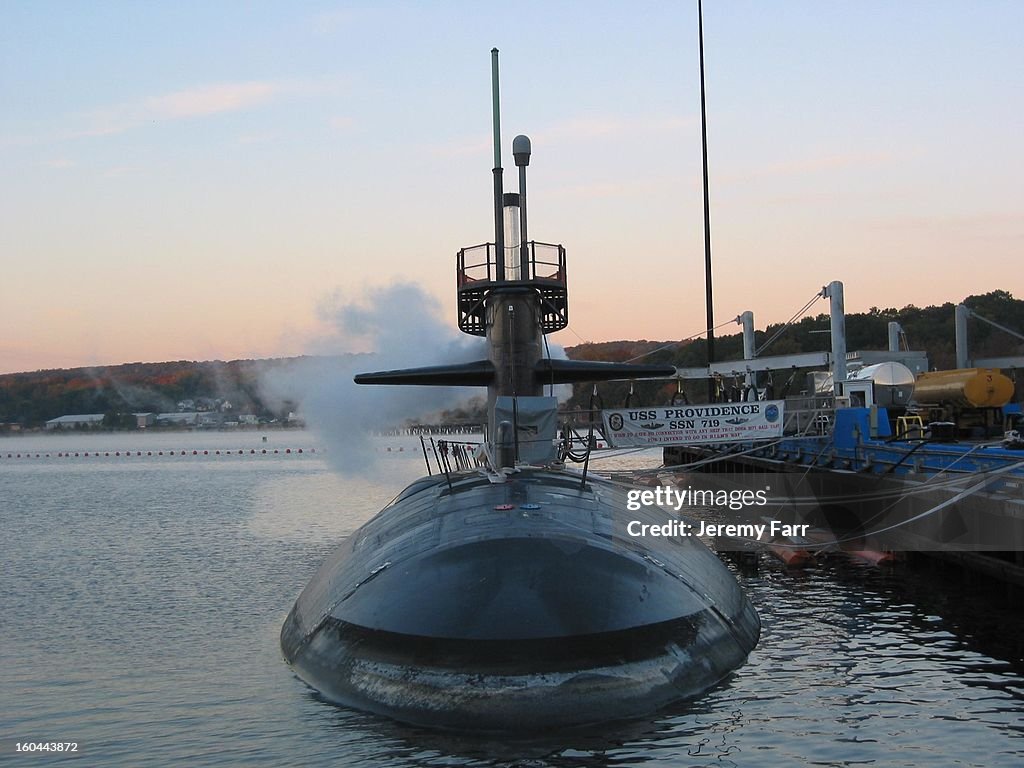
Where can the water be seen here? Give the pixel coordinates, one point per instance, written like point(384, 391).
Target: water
point(142, 599)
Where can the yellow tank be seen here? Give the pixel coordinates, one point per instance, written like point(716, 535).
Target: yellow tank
point(964, 387)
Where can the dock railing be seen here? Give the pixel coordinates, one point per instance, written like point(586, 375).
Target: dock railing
point(809, 415)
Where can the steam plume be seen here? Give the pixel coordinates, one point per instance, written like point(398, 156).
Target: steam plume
point(397, 326)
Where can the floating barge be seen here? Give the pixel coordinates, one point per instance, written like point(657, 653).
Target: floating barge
point(886, 459)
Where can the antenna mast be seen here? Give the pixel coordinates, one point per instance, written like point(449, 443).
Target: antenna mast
point(708, 299)
point(499, 215)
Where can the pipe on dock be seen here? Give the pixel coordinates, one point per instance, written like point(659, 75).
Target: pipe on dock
point(894, 336)
point(834, 292)
point(747, 321)
point(960, 322)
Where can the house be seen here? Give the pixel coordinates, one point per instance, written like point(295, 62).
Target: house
point(143, 420)
point(177, 419)
point(79, 421)
point(209, 419)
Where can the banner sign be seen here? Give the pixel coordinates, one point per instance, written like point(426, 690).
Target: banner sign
point(694, 424)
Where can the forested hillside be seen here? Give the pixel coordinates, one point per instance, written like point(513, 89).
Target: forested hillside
point(29, 399)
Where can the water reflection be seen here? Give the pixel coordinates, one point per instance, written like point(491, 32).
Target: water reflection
point(689, 728)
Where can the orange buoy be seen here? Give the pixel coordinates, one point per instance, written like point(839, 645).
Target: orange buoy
point(871, 556)
point(791, 556)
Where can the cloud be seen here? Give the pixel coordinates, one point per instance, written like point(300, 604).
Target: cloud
point(463, 147)
point(574, 129)
point(255, 138)
point(604, 127)
point(329, 22)
point(342, 122)
point(212, 99)
point(607, 189)
point(819, 162)
point(198, 101)
point(1008, 225)
point(118, 171)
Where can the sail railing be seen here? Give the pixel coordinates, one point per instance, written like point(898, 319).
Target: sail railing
point(478, 264)
point(547, 262)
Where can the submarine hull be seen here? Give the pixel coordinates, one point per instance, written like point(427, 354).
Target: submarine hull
point(520, 605)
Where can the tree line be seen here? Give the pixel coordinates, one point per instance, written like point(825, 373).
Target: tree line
point(30, 399)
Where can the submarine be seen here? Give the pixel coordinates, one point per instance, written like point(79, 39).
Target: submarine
point(510, 597)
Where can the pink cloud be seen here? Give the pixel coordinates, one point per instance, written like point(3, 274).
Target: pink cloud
point(198, 101)
point(212, 99)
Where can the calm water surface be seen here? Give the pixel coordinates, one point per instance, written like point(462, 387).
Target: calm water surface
point(142, 599)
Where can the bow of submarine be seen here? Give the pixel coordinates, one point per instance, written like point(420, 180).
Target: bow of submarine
point(517, 605)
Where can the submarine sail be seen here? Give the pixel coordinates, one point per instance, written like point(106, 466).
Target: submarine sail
point(511, 597)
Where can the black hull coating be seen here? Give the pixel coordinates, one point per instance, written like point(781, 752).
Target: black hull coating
point(445, 611)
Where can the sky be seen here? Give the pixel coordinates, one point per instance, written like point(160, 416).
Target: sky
point(193, 180)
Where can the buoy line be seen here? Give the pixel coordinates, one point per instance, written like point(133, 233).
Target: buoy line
point(149, 453)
